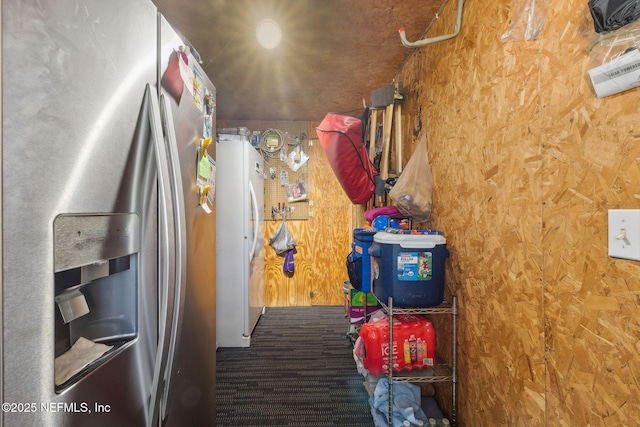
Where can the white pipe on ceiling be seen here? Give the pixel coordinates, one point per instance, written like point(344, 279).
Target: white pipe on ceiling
point(436, 39)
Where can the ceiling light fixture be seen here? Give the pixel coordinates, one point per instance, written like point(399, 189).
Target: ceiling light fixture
point(268, 34)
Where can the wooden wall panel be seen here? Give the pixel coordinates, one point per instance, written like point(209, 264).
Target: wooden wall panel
point(485, 156)
point(592, 153)
point(526, 163)
point(331, 233)
point(323, 241)
point(283, 290)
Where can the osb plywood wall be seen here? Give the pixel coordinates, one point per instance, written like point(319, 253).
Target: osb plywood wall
point(323, 241)
point(526, 162)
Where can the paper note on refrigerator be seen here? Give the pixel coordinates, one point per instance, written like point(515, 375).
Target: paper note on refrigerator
point(203, 167)
point(198, 89)
point(207, 180)
point(186, 73)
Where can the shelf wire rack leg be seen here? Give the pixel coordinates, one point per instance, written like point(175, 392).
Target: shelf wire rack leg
point(364, 308)
point(390, 374)
point(453, 373)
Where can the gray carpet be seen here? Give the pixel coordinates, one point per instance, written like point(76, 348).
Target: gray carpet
point(299, 371)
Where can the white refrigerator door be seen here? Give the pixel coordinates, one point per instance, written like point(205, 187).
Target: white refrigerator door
point(240, 241)
point(255, 297)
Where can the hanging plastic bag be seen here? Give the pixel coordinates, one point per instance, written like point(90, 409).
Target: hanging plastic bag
point(611, 14)
point(527, 21)
point(296, 158)
point(413, 190)
point(288, 265)
point(618, 75)
point(614, 60)
point(612, 45)
point(296, 192)
point(282, 240)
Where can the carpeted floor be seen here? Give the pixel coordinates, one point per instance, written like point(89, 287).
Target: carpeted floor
point(299, 371)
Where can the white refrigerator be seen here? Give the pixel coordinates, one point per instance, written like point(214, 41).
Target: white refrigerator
point(240, 292)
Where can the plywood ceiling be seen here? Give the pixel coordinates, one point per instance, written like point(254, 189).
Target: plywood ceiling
point(333, 52)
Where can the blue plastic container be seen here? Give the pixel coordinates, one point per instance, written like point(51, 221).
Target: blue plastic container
point(409, 267)
point(359, 262)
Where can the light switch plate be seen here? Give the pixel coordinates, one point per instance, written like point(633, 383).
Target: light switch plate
point(624, 233)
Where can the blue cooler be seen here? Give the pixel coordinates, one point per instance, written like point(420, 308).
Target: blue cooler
point(409, 266)
point(359, 261)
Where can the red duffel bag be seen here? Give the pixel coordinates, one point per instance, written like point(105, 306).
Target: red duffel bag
point(341, 138)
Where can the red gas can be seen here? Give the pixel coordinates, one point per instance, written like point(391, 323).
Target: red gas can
point(414, 344)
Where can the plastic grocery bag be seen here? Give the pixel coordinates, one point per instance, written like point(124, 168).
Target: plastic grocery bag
point(282, 240)
point(528, 20)
point(413, 190)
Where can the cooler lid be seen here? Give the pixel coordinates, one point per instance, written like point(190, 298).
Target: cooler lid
point(410, 241)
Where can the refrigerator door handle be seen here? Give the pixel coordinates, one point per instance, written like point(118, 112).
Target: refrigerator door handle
point(165, 233)
point(181, 245)
point(256, 219)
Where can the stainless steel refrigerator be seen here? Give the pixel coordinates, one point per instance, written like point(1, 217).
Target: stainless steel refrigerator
point(240, 240)
point(108, 233)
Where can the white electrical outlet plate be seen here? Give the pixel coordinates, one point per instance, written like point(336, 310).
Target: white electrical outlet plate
point(624, 233)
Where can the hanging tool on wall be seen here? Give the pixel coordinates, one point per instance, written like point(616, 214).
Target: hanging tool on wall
point(272, 144)
point(389, 99)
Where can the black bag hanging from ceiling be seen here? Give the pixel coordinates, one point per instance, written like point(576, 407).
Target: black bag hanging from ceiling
point(611, 14)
